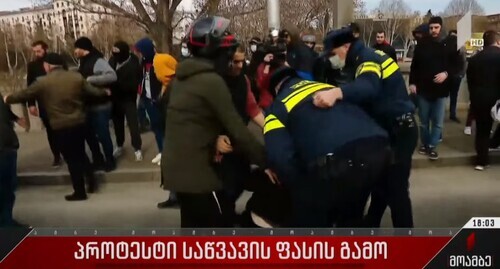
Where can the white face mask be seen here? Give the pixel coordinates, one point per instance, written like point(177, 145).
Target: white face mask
point(185, 52)
point(336, 62)
point(253, 48)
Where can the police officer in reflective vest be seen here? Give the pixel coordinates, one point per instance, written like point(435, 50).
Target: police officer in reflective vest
point(329, 159)
point(380, 88)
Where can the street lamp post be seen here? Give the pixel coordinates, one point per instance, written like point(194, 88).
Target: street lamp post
point(273, 14)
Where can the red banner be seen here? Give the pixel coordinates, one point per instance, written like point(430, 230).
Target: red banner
point(224, 252)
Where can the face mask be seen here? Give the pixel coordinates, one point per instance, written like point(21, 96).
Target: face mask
point(185, 52)
point(336, 62)
point(253, 48)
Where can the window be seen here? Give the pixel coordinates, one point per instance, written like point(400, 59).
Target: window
point(81, 18)
point(62, 4)
point(57, 5)
point(44, 23)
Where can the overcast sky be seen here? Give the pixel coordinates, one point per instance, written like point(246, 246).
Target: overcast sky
point(490, 6)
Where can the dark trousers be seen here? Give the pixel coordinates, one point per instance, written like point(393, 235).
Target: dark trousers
point(234, 170)
point(495, 140)
point(141, 114)
point(205, 210)
point(50, 134)
point(393, 189)
point(153, 111)
point(470, 118)
point(128, 110)
point(8, 183)
point(72, 144)
point(484, 123)
point(337, 192)
point(99, 133)
point(455, 88)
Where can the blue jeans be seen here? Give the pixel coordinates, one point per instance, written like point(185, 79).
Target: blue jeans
point(8, 184)
point(431, 114)
point(99, 119)
point(154, 117)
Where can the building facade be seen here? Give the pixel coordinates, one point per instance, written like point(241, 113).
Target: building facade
point(60, 18)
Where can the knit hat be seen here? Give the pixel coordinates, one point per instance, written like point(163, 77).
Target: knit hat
point(436, 20)
point(164, 65)
point(121, 51)
point(84, 43)
point(146, 47)
point(54, 59)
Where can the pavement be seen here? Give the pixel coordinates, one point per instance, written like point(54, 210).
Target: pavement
point(442, 198)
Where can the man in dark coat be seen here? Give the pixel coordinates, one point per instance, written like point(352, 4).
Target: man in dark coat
point(429, 80)
point(199, 110)
point(124, 97)
point(382, 45)
point(35, 70)
point(483, 77)
point(9, 144)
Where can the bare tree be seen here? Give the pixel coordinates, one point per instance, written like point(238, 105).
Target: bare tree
point(460, 7)
point(159, 18)
point(407, 30)
point(393, 12)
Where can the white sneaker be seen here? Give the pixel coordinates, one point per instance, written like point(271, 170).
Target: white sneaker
point(118, 152)
point(157, 159)
point(479, 168)
point(468, 130)
point(138, 156)
point(494, 149)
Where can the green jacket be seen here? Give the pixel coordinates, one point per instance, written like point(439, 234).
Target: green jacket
point(199, 109)
point(63, 94)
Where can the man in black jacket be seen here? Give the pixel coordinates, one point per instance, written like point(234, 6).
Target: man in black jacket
point(129, 75)
point(382, 45)
point(35, 70)
point(9, 144)
point(483, 77)
point(429, 80)
point(97, 72)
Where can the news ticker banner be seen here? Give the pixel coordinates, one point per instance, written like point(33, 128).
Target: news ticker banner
point(476, 245)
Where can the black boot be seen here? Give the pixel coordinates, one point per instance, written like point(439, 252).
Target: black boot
point(76, 197)
point(110, 166)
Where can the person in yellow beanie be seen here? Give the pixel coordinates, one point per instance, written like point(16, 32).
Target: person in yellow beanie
point(165, 65)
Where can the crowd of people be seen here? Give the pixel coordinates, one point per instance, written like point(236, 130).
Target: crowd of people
point(339, 124)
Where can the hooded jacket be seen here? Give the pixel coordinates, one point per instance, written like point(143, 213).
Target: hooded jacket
point(299, 56)
point(430, 58)
point(150, 86)
point(129, 77)
point(97, 72)
point(164, 66)
point(199, 109)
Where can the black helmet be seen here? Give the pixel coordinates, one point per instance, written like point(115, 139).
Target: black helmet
point(208, 35)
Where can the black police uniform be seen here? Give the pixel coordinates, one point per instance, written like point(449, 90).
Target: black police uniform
point(379, 86)
point(329, 159)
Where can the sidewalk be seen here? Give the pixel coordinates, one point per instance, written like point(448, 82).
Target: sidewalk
point(35, 158)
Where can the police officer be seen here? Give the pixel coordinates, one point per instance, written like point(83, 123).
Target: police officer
point(329, 159)
point(379, 86)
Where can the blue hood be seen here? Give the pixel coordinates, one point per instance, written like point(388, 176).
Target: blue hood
point(147, 48)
